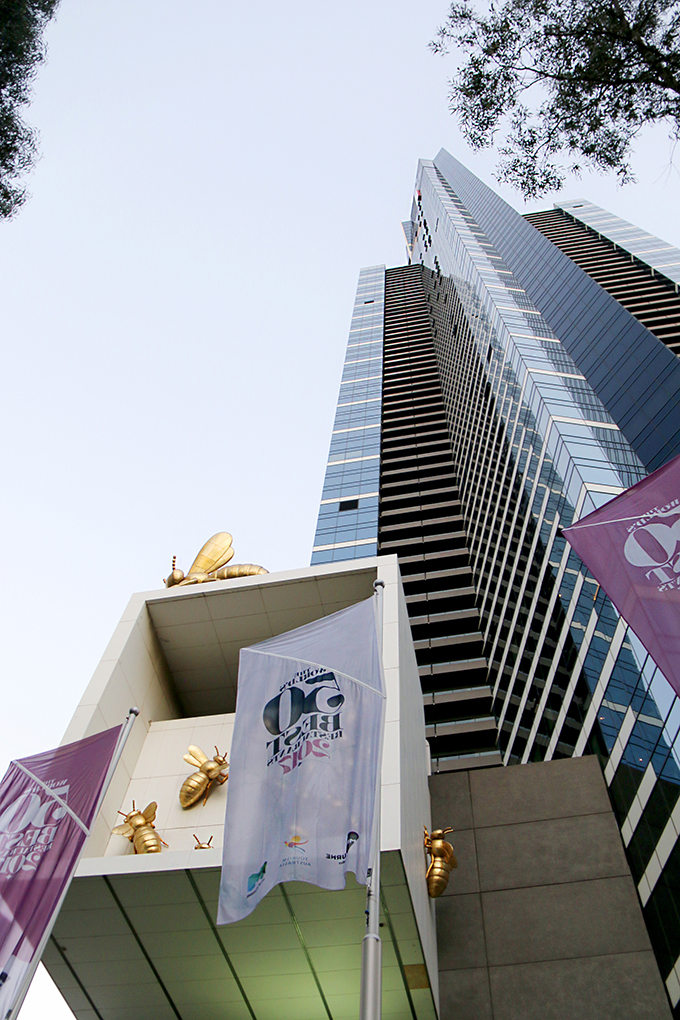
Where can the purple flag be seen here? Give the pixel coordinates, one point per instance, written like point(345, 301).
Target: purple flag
point(47, 804)
point(631, 545)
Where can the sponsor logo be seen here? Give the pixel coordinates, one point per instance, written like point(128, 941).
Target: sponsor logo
point(653, 545)
point(256, 880)
point(304, 718)
point(352, 838)
point(28, 827)
point(296, 843)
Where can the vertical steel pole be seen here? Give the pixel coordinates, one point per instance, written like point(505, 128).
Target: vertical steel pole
point(13, 1012)
point(370, 1006)
point(117, 754)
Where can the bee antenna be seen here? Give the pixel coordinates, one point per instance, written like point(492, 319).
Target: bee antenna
point(210, 841)
point(195, 837)
point(133, 806)
point(174, 561)
point(216, 751)
point(123, 814)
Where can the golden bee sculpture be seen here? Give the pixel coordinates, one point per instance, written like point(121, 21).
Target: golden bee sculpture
point(140, 830)
point(199, 783)
point(210, 564)
point(203, 846)
point(442, 860)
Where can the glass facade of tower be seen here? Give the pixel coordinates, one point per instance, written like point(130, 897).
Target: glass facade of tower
point(348, 520)
point(505, 373)
point(556, 399)
point(636, 378)
point(505, 363)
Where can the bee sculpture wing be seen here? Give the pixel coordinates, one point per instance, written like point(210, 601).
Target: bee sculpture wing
point(195, 756)
point(122, 830)
point(215, 553)
point(149, 811)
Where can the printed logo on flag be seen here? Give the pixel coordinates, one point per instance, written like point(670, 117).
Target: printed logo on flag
point(40, 841)
point(352, 837)
point(631, 545)
point(28, 826)
point(655, 546)
point(296, 843)
point(305, 760)
point(303, 718)
point(256, 880)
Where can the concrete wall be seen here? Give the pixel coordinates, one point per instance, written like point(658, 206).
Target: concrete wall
point(132, 671)
point(159, 774)
point(415, 802)
point(137, 668)
point(541, 920)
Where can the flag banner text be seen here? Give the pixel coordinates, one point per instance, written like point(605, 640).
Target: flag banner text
point(47, 804)
point(631, 545)
point(305, 760)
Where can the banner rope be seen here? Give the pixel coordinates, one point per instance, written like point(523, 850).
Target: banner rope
point(597, 524)
point(623, 520)
point(318, 665)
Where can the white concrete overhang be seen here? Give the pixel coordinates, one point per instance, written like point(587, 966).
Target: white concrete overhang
point(136, 937)
point(143, 945)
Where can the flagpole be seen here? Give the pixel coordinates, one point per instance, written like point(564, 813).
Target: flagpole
point(117, 755)
point(370, 1007)
point(13, 1011)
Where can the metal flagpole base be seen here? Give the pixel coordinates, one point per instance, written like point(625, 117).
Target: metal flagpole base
point(371, 978)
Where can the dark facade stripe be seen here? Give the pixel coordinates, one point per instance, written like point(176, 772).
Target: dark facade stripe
point(421, 520)
point(645, 294)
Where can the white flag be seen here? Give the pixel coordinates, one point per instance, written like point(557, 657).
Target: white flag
point(305, 760)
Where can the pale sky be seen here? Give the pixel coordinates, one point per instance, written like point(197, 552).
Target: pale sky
point(177, 291)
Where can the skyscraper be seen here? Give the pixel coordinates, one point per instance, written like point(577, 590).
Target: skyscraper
point(514, 376)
